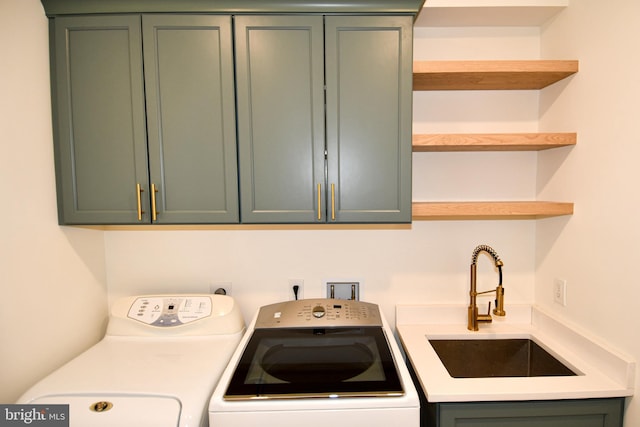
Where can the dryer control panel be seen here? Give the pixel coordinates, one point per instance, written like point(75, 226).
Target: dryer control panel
point(170, 311)
point(174, 315)
point(318, 313)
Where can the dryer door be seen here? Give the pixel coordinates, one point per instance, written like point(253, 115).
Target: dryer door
point(117, 410)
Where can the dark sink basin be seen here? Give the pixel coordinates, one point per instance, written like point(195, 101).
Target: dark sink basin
point(482, 358)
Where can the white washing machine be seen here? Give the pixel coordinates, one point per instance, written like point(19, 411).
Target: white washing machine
point(157, 365)
point(317, 363)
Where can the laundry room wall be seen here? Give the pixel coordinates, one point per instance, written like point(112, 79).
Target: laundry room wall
point(427, 263)
point(53, 300)
point(596, 252)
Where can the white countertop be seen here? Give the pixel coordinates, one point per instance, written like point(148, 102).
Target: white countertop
point(602, 372)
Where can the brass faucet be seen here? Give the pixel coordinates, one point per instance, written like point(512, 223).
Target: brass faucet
point(474, 318)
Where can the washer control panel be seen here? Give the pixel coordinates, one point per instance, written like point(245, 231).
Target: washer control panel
point(170, 311)
point(318, 313)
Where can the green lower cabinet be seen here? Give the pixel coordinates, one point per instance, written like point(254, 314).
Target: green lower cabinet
point(539, 413)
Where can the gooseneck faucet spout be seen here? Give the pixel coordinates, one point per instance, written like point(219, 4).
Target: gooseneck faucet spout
point(474, 318)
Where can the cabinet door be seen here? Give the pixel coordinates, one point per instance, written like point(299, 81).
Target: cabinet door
point(188, 62)
point(538, 413)
point(99, 118)
point(279, 69)
point(369, 101)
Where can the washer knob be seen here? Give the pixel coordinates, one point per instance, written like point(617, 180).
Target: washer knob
point(318, 311)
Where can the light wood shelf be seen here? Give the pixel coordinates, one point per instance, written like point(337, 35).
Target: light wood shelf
point(492, 13)
point(489, 210)
point(490, 75)
point(492, 141)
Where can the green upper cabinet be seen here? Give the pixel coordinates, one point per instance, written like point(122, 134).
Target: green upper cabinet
point(280, 87)
point(99, 118)
point(192, 118)
point(114, 146)
point(189, 84)
point(324, 118)
point(369, 81)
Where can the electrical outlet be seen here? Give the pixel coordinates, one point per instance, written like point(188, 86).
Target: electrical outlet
point(560, 291)
point(349, 290)
point(300, 284)
point(221, 288)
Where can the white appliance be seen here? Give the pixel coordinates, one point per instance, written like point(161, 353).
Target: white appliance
point(317, 363)
point(157, 365)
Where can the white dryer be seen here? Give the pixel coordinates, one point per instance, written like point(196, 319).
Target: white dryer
point(157, 365)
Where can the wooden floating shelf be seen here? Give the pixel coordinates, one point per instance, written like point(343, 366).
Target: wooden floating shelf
point(489, 210)
point(492, 141)
point(490, 75)
point(493, 13)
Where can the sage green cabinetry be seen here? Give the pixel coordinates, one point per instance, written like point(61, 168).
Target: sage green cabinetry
point(126, 120)
point(538, 413)
point(324, 118)
point(191, 120)
point(280, 98)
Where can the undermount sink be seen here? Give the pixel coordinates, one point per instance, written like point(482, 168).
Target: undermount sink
point(483, 358)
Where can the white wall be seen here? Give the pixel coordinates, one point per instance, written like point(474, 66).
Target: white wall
point(52, 279)
point(596, 251)
point(428, 263)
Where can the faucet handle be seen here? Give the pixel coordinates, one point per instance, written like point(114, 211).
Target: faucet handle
point(485, 318)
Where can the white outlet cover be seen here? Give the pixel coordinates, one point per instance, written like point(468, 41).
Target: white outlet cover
point(560, 291)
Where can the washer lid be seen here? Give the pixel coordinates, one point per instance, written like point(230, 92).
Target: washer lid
point(117, 410)
point(288, 363)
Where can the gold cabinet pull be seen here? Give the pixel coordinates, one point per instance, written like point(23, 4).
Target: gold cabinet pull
point(319, 202)
point(154, 212)
point(333, 202)
point(139, 191)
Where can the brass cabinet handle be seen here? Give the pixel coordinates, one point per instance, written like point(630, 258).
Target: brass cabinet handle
point(333, 202)
point(139, 191)
point(319, 202)
point(154, 213)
